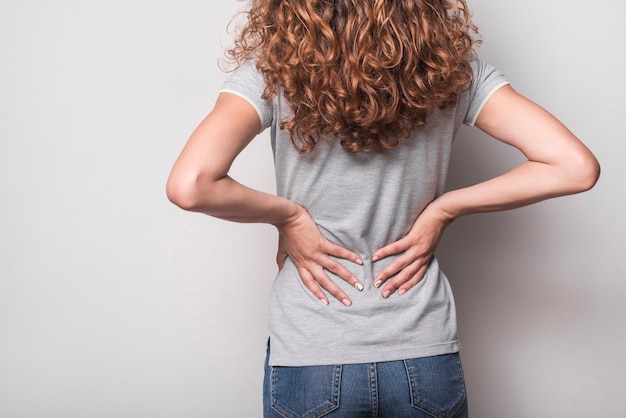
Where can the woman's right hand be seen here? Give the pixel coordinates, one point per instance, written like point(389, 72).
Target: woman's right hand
point(310, 251)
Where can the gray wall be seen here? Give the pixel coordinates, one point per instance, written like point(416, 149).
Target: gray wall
point(114, 303)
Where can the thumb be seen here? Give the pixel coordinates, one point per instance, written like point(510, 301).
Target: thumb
point(281, 255)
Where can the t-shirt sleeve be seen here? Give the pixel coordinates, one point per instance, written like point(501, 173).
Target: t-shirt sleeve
point(248, 83)
point(485, 83)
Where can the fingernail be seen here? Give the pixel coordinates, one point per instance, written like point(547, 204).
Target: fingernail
point(358, 261)
point(359, 287)
point(378, 283)
point(375, 258)
point(386, 293)
point(401, 292)
point(346, 302)
point(324, 301)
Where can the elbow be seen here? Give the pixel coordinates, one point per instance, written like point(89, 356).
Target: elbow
point(584, 172)
point(184, 191)
point(592, 174)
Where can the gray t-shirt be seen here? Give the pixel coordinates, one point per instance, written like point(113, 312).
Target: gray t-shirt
point(363, 201)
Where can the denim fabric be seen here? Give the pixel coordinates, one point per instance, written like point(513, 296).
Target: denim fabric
point(428, 387)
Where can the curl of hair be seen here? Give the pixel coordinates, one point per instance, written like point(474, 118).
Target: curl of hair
point(367, 72)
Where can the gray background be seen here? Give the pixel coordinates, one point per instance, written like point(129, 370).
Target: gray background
point(115, 303)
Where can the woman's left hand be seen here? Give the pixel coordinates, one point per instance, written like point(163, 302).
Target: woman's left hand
point(415, 250)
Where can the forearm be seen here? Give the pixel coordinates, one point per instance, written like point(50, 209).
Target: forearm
point(528, 183)
point(230, 200)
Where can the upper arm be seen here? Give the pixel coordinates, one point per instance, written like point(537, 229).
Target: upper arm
point(517, 121)
point(222, 135)
point(213, 146)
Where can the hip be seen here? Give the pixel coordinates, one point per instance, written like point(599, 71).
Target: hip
point(426, 387)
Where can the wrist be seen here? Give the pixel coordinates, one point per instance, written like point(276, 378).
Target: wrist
point(437, 210)
point(292, 213)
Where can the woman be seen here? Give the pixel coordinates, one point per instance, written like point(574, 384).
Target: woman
point(364, 99)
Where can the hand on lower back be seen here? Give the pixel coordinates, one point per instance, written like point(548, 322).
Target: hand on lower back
point(414, 252)
point(301, 241)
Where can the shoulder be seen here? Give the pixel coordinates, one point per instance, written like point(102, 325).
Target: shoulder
point(248, 82)
point(486, 80)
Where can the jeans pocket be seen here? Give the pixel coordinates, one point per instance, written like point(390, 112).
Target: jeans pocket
point(305, 392)
point(437, 384)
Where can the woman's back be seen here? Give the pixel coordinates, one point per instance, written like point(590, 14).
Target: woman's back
point(363, 201)
point(364, 99)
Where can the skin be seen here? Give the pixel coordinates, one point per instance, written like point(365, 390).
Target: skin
point(557, 164)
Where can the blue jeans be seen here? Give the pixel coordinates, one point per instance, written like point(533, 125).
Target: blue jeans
point(421, 388)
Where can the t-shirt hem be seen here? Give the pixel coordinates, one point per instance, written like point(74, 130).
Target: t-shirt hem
point(482, 104)
point(247, 99)
point(366, 357)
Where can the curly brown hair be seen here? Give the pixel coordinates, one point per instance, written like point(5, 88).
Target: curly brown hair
point(365, 71)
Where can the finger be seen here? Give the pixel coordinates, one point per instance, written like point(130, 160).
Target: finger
point(324, 281)
point(402, 278)
point(281, 256)
point(395, 267)
point(391, 249)
point(414, 280)
point(311, 284)
point(339, 270)
point(280, 260)
point(342, 252)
